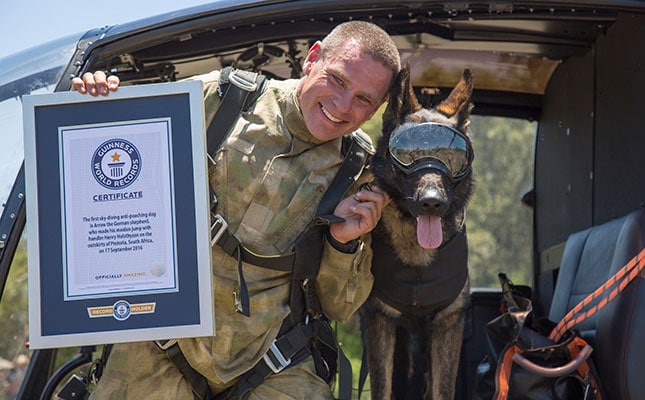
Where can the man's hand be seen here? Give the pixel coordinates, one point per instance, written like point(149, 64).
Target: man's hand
point(362, 213)
point(96, 83)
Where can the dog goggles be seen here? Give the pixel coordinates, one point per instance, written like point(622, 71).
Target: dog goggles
point(431, 145)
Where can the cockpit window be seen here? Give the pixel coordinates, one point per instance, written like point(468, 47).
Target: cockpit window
point(32, 71)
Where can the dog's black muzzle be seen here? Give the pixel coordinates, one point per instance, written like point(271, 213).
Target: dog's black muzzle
point(429, 202)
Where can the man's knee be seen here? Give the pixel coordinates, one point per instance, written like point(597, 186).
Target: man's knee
point(295, 383)
point(140, 371)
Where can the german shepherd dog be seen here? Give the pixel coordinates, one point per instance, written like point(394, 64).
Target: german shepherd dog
point(412, 323)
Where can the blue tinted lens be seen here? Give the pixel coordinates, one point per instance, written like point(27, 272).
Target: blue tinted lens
point(431, 142)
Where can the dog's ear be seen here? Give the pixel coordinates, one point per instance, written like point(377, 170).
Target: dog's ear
point(458, 104)
point(402, 100)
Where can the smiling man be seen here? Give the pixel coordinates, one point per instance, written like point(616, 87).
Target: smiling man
point(343, 88)
point(269, 176)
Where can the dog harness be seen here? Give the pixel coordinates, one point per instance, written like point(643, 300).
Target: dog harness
point(418, 290)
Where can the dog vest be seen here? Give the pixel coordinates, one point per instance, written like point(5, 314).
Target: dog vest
point(420, 290)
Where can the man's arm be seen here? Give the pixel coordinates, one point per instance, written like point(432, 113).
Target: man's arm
point(345, 278)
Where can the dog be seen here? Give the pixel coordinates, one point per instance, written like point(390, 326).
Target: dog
point(412, 323)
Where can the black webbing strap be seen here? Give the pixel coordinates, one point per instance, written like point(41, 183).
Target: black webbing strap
point(230, 244)
point(362, 377)
point(347, 174)
point(238, 90)
point(303, 301)
point(198, 382)
point(287, 350)
point(344, 376)
point(310, 245)
point(221, 236)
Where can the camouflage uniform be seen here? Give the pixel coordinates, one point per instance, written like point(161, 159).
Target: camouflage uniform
point(269, 176)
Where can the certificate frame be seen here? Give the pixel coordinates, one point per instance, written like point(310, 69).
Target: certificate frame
point(117, 203)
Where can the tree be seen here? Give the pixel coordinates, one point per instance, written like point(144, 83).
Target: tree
point(500, 226)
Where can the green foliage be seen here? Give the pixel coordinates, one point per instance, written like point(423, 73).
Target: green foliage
point(373, 127)
point(500, 228)
point(13, 307)
point(14, 323)
point(349, 337)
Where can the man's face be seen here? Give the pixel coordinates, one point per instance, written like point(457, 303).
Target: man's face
point(342, 91)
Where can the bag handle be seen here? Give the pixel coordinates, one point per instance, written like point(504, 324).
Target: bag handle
point(578, 349)
point(623, 277)
point(554, 372)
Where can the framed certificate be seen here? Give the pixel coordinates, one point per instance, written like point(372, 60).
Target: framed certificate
point(117, 216)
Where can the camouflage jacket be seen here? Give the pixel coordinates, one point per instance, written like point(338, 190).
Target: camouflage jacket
point(269, 176)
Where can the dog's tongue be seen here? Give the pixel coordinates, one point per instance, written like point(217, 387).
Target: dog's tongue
point(429, 233)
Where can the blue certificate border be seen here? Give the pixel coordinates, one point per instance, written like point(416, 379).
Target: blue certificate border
point(55, 322)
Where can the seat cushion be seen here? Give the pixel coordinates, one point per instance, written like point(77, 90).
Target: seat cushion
point(589, 259)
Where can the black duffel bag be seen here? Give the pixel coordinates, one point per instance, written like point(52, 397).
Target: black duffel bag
point(523, 363)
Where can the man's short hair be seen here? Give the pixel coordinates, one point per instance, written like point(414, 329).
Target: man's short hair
point(372, 39)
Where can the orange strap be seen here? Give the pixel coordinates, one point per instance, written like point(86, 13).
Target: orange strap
point(584, 370)
point(503, 373)
point(623, 277)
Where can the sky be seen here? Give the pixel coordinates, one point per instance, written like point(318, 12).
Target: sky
point(26, 23)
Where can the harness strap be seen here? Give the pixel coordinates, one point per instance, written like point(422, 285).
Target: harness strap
point(240, 89)
point(348, 173)
point(297, 342)
point(288, 349)
point(344, 376)
point(577, 314)
point(198, 382)
point(222, 237)
point(362, 377)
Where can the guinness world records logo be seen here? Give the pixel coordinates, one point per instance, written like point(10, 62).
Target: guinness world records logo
point(116, 164)
point(121, 310)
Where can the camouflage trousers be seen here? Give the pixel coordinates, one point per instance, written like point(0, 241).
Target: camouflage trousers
point(138, 371)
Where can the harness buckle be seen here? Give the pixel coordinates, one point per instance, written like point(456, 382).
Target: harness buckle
point(165, 344)
point(218, 226)
point(274, 356)
point(235, 78)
